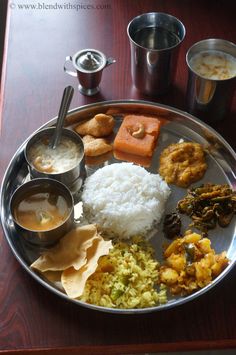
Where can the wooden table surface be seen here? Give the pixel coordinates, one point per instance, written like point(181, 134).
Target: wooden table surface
point(37, 42)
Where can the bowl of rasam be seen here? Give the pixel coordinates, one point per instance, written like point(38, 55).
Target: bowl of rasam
point(42, 211)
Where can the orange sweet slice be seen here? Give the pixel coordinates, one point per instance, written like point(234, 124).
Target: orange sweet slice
point(138, 135)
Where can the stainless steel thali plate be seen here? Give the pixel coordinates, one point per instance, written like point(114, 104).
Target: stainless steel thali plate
point(221, 162)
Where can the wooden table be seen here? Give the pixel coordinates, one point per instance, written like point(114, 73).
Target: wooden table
point(37, 42)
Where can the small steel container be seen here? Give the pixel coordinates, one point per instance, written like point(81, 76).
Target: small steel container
point(89, 64)
point(72, 178)
point(44, 237)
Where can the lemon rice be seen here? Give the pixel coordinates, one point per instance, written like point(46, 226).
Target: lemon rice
point(126, 278)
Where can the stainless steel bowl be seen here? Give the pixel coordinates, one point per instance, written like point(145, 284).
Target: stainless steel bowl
point(45, 237)
point(72, 178)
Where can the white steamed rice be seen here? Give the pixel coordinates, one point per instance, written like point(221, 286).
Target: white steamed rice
point(124, 199)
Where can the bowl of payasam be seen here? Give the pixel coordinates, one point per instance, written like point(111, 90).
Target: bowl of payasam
point(42, 211)
point(64, 163)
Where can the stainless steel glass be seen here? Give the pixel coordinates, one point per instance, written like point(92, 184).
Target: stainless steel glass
point(155, 39)
point(209, 99)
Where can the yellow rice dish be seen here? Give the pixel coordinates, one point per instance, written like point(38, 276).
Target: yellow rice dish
point(126, 278)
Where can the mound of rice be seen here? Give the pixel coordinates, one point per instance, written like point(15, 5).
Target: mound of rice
point(126, 278)
point(124, 199)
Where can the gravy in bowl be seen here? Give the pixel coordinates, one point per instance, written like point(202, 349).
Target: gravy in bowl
point(41, 210)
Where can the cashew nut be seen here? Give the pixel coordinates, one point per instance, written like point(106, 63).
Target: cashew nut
point(43, 165)
point(140, 132)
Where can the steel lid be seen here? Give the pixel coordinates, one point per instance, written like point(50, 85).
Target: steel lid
point(90, 60)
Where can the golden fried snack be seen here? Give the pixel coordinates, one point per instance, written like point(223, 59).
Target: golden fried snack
point(100, 125)
point(182, 163)
point(95, 146)
point(73, 259)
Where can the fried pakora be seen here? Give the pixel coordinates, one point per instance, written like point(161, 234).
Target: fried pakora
point(100, 125)
point(95, 146)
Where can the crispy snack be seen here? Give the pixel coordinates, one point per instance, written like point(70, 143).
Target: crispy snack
point(208, 205)
point(73, 259)
point(74, 280)
point(95, 146)
point(182, 163)
point(100, 125)
point(190, 264)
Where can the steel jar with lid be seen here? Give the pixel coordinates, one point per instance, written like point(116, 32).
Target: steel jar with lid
point(89, 64)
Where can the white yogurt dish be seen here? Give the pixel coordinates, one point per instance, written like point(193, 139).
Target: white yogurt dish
point(53, 161)
point(65, 163)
